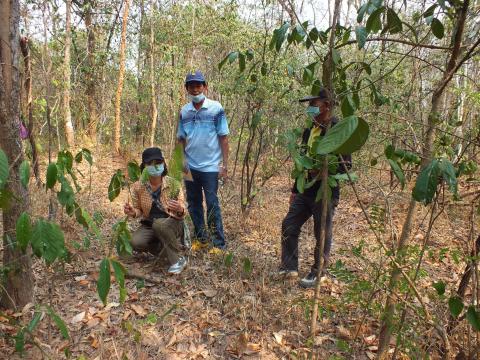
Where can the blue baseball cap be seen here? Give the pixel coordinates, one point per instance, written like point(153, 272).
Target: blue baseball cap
point(196, 76)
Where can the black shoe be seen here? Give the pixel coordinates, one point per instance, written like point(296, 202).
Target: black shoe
point(310, 280)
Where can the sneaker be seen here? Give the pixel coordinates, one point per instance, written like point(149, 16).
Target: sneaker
point(178, 267)
point(309, 281)
point(289, 273)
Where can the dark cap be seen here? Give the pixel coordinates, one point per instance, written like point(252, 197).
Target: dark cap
point(196, 76)
point(153, 153)
point(323, 94)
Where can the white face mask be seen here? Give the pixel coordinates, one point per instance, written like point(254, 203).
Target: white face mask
point(197, 98)
point(156, 170)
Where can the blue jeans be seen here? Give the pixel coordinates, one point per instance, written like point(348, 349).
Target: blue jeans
point(205, 182)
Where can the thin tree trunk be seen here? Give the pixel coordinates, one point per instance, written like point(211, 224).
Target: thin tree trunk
point(17, 288)
point(328, 81)
point(66, 78)
point(121, 74)
point(28, 89)
point(437, 98)
point(152, 77)
point(91, 74)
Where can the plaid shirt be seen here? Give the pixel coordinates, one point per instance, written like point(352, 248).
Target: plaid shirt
point(142, 199)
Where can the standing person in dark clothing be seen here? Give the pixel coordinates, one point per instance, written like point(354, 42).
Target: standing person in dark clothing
point(303, 206)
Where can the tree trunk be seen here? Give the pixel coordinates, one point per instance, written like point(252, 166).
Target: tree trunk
point(28, 89)
point(91, 74)
point(153, 125)
point(17, 288)
point(437, 97)
point(66, 78)
point(121, 72)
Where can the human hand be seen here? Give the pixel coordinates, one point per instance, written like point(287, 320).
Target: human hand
point(129, 210)
point(223, 173)
point(175, 206)
point(292, 197)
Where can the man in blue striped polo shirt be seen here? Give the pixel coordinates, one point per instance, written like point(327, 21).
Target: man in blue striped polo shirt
point(203, 131)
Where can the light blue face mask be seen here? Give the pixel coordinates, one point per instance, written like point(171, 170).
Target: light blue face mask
point(313, 111)
point(197, 98)
point(156, 170)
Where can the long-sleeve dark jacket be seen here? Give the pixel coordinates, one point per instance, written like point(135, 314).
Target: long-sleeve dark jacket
point(347, 160)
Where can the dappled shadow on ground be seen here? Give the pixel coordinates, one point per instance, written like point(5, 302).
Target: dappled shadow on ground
point(222, 306)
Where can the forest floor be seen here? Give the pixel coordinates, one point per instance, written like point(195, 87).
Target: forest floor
point(217, 310)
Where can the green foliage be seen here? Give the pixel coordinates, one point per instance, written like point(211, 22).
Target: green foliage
point(122, 238)
point(52, 172)
point(437, 28)
point(48, 241)
point(116, 183)
point(23, 231)
point(348, 136)
point(24, 173)
point(455, 305)
point(84, 154)
point(247, 265)
point(120, 272)
point(134, 171)
point(473, 318)
point(439, 287)
point(4, 169)
point(103, 283)
point(429, 178)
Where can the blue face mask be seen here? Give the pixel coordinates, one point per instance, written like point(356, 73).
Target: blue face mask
point(197, 98)
point(156, 170)
point(313, 111)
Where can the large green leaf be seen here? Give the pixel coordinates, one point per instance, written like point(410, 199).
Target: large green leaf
point(348, 106)
point(51, 175)
point(437, 28)
point(84, 154)
point(427, 183)
point(397, 170)
point(473, 318)
point(134, 171)
point(345, 137)
point(120, 272)
point(103, 282)
point(59, 322)
point(4, 169)
point(394, 24)
point(374, 22)
point(455, 306)
point(115, 185)
point(301, 183)
point(66, 196)
point(23, 231)
point(241, 62)
point(449, 175)
point(24, 173)
point(361, 36)
point(48, 241)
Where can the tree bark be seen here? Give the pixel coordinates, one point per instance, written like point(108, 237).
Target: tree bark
point(17, 288)
point(28, 89)
point(121, 74)
point(153, 95)
point(91, 74)
point(66, 78)
point(437, 97)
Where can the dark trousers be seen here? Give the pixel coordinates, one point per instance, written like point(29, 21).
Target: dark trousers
point(205, 183)
point(301, 209)
point(164, 234)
